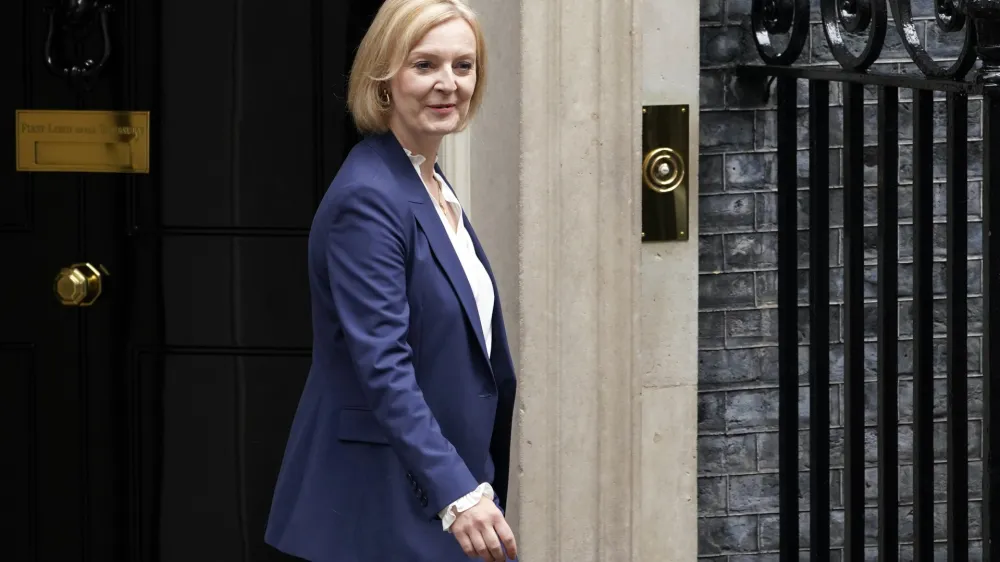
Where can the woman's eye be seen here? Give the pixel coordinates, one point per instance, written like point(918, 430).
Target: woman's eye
point(465, 66)
point(422, 65)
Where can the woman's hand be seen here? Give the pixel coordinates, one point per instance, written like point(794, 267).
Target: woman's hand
point(481, 530)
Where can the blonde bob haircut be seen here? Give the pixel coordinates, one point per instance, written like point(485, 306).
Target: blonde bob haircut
point(398, 26)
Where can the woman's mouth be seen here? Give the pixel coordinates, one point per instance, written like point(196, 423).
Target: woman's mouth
point(443, 109)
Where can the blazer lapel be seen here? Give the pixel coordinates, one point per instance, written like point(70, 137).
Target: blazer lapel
point(501, 360)
point(445, 254)
point(440, 243)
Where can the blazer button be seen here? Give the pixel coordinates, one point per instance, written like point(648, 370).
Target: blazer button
point(409, 476)
point(423, 501)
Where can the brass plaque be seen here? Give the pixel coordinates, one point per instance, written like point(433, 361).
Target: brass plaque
point(666, 172)
point(82, 141)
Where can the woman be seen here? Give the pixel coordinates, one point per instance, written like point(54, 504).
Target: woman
point(399, 450)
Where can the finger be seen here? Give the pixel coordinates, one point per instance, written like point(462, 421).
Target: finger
point(506, 536)
point(466, 544)
point(493, 544)
point(480, 546)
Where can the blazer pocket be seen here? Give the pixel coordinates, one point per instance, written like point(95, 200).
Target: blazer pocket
point(361, 426)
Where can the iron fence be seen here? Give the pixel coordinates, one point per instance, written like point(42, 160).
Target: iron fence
point(781, 29)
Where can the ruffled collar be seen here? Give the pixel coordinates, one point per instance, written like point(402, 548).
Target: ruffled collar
point(416, 159)
point(447, 194)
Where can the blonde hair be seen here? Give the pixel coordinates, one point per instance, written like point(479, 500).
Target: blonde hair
point(398, 26)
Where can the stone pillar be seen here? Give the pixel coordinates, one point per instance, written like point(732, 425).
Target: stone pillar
point(554, 165)
point(577, 464)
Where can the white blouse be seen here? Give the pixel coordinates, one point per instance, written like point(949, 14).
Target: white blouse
point(482, 291)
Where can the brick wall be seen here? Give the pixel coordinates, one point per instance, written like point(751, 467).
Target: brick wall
point(738, 397)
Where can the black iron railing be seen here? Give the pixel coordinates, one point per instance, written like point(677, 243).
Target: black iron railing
point(977, 24)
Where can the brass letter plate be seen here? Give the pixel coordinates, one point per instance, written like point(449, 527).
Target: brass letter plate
point(665, 172)
point(82, 141)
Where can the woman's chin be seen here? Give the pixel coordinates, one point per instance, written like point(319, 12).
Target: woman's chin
point(443, 126)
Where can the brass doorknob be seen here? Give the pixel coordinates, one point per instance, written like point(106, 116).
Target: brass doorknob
point(79, 284)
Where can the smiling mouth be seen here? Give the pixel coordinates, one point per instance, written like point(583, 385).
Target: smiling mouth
point(443, 106)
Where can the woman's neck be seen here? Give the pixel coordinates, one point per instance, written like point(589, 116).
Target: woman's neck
point(424, 145)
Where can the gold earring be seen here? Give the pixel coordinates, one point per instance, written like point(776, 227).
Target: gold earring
point(384, 98)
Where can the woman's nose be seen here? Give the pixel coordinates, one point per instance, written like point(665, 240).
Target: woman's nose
point(447, 81)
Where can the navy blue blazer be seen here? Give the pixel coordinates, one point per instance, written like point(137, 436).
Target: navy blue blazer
point(403, 412)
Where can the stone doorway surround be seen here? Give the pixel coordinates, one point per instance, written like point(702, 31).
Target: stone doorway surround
point(603, 327)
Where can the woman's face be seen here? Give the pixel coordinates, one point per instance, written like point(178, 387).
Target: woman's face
point(431, 92)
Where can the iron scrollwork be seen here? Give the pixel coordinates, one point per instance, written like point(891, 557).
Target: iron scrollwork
point(949, 17)
point(75, 20)
point(778, 17)
point(855, 16)
point(843, 20)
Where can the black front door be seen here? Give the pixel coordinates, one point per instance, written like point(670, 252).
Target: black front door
point(150, 425)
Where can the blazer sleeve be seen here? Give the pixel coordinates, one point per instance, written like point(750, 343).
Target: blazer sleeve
point(366, 260)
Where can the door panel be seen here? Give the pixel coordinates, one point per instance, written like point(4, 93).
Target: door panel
point(17, 440)
point(218, 451)
point(241, 133)
point(150, 426)
point(237, 290)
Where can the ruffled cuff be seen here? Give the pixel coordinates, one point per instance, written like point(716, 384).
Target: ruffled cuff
point(448, 514)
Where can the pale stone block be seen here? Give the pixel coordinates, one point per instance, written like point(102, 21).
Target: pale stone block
point(669, 521)
point(670, 52)
point(669, 314)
